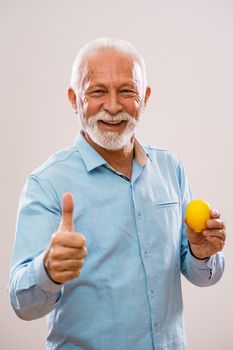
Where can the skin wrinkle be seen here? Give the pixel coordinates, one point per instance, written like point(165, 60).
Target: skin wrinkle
point(110, 139)
point(84, 70)
point(112, 70)
point(87, 74)
point(66, 252)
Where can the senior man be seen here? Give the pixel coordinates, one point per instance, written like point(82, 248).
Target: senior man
point(122, 202)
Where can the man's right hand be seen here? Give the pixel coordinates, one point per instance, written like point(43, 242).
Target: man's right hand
point(64, 256)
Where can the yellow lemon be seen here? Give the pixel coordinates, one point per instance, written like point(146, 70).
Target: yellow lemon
point(197, 214)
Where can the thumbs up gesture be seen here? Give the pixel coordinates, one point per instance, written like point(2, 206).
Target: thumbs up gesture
point(64, 257)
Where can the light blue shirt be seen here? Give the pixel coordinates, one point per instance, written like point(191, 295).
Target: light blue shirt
point(128, 295)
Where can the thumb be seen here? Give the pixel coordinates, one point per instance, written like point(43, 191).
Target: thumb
point(67, 220)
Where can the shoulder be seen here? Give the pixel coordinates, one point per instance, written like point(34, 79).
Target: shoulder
point(158, 154)
point(67, 159)
point(168, 166)
point(166, 162)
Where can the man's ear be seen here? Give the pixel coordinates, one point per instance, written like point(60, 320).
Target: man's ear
point(72, 98)
point(147, 95)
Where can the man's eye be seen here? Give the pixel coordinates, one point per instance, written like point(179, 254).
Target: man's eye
point(97, 92)
point(127, 92)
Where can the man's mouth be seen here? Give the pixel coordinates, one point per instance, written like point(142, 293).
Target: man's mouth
point(112, 123)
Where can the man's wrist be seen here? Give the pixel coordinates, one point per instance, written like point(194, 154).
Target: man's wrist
point(191, 252)
point(49, 275)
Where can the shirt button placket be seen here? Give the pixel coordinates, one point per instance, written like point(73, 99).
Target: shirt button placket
point(146, 257)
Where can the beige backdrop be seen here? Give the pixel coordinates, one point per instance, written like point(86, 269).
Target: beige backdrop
point(188, 48)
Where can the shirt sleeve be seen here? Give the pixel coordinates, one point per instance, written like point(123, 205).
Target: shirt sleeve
point(204, 272)
point(32, 293)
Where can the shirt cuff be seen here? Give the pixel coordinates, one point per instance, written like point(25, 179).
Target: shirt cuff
point(198, 262)
point(208, 263)
point(42, 278)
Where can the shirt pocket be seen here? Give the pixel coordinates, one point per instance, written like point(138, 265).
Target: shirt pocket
point(166, 203)
point(167, 214)
point(164, 237)
point(167, 221)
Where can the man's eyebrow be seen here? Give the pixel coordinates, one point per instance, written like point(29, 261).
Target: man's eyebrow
point(102, 85)
point(129, 83)
point(96, 85)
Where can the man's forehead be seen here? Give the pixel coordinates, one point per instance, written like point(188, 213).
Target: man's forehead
point(106, 71)
point(109, 63)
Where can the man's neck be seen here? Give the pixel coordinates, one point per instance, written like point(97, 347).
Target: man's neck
point(120, 160)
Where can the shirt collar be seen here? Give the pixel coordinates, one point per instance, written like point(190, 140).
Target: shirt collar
point(93, 159)
point(140, 154)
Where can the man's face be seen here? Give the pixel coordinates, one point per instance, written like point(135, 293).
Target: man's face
point(111, 98)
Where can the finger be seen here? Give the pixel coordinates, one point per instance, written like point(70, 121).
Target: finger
point(66, 265)
point(64, 253)
point(64, 276)
point(68, 239)
point(217, 242)
point(67, 220)
point(220, 234)
point(214, 213)
point(215, 223)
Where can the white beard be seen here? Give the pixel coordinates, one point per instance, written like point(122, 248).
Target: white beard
point(110, 140)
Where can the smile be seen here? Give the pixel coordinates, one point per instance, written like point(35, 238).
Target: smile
point(112, 122)
point(112, 125)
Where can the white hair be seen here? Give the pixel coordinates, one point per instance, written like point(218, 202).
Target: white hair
point(119, 45)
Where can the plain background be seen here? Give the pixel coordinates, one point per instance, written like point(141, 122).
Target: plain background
point(188, 49)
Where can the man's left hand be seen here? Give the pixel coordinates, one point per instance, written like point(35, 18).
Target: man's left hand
point(209, 241)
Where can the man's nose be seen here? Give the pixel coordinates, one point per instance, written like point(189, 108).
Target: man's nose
point(112, 104)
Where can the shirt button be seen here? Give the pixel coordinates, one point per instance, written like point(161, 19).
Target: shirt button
point(152, 293)
point(146, 254)
point(139, 216)
point(155, 325)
